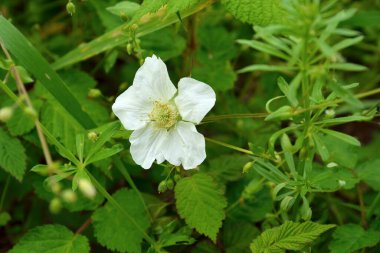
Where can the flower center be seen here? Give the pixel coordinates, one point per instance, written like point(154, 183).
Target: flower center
point(164, 115)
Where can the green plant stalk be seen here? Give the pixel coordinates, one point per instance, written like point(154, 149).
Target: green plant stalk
point(127, 176)
point(5, 190)
point(113, 202)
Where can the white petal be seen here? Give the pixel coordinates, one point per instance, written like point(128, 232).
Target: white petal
point(132, 108)
point(184, 145)
point(146, 145)
point(195, 99)
point(152, 79)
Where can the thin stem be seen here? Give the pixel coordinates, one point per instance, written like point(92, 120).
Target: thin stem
point(234, 116)
point(362, 207)
point(84, 226)
point(113, 202)
point(23, 92)
point(4, 193)
point(373, 205)
point(230, 146)
point(120, 166)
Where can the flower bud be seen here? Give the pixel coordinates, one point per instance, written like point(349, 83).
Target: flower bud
point(330, 113)
point(55, 205)
point(247, 167)
point(55, 186)
point(332, 165)
point(92, 136)
point(94, 93)
point(70, 8)
point(287, 203)
point(177, 177)
point(87, 188)
point(6, 114)
point(31, 112)
point(170, 184)
point(162, 187)
point(129, 48)
point(69, 196)
point(341, 183)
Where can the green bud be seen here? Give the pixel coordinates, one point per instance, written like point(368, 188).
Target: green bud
point(247, 167)
point(129, 48)
point(69, 196)
point(55, 187)
point(70, 8)
point(306, 211)
point(6, 114)
point(162, 187)
point(31, 112)
point(330, 113)
point(94, 93)
point(92, 136)
point(177, 177)
point(286, 143)
point(287, 203)
point(55, 205)
point(170, 184)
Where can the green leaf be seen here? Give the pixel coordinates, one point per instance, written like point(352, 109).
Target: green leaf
point(201, 203)
point(228, 167)
point(352, 237)
point(28, 57)
point(369, 173)
point(12, 155)
point(345, 94)
point(238, 242)
point(256, 12)
point(113, 230)
point(124, 9)
point(344, 137)
point(51, 239)
point(4, 218)
point(347, 66)
point(288, 236)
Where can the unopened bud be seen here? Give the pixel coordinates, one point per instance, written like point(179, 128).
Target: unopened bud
point(129, 48)
point(177, 177)
point(247, 167)
point(92, 136)
point(341, 183)
point(332, 165)
point(94, 93)
point(5, 114)
point(287, 203)
point(31, 112)
point(170, 184)
point(330, 113)
point(87, 188)
point(70, 8)
point(55, 205)
point(162, 187)
point(55, 187)
point(69, 196)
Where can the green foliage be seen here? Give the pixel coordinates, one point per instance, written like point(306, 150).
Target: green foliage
point(200, 202)
point(289, 236)
point(369, 171)
point(351, 237)
point(256, 12)
point(12, 155)
point(51, 238)
point(112, 228)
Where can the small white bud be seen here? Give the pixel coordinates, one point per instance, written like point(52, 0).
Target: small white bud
point(341, 183)
point(5, 114)
point(55, 205)
point(332, 165)
point(92, 136)
point(87, 188)
point(69, 196)
point(330, 113)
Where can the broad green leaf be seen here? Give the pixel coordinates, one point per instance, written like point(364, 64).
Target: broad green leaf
point(352, 237)
point(28, 57)
point(369, 172)
point(365, 18)
point(201, 203)
point(238, 242)
point(51, 239)
point(228, 167)
point(256, 12)
point(113, 230)
point(288, 236)
point(12, 155)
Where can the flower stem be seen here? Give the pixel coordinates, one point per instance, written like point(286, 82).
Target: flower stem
point(4, 193)
point(229, 146)
point(120, 166)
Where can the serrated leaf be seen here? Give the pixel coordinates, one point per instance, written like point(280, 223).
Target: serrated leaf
point(288, 236)
point(352, 237)
point(113, 230)
point(256, 12)
point(12, 155)
point(51, 239)
point(201, 203)
point(369, 173)
point(228, 167)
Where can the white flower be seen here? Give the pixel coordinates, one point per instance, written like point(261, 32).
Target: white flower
point(163, 119)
